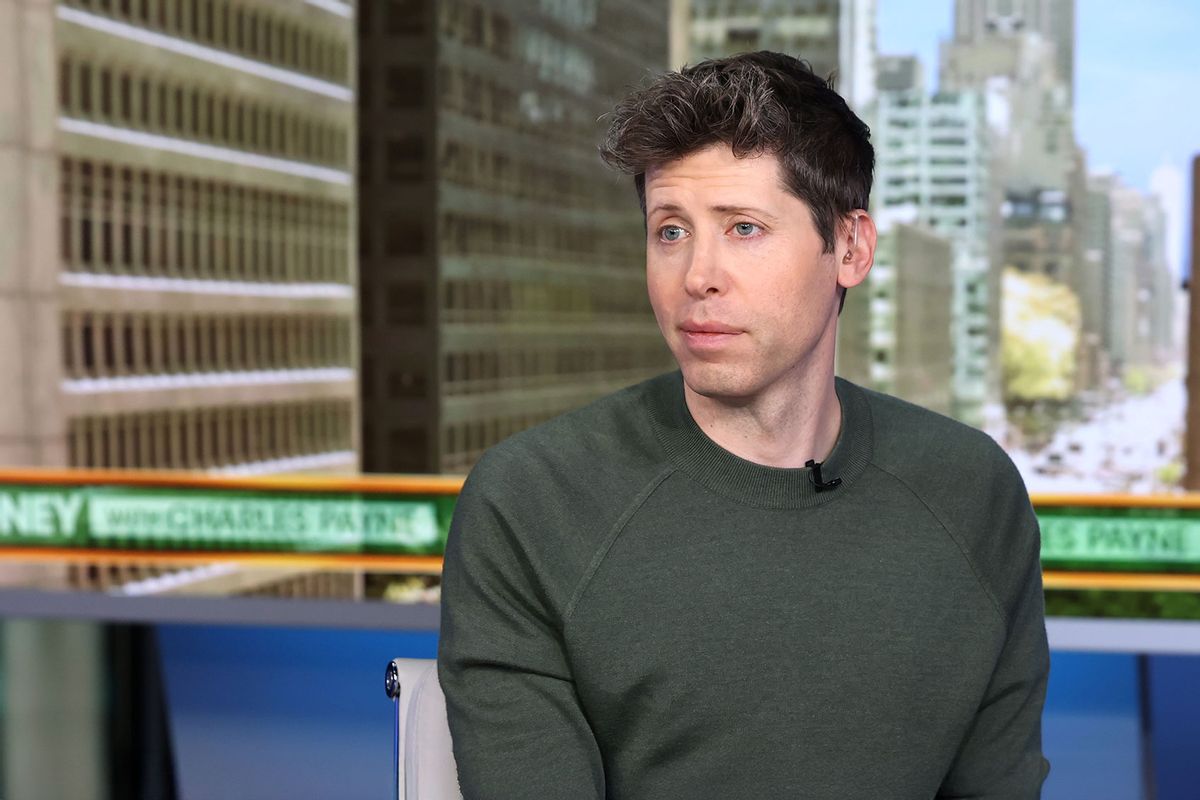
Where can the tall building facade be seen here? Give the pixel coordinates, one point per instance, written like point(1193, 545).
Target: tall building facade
point(894, 334)
point(933, 170)
point(502, 277)
point(1126, 240)
point(1141, 292)
point(1159, 286)
point(1031, 108)
point(1053, 20)
point(835, 36)
point(176, 283)
point(177, 272)
point(1020, 55)
point(1095, 265)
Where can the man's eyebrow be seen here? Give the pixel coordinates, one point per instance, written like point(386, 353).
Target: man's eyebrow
point(728, 209)
point(720, 209)
point(663, 207)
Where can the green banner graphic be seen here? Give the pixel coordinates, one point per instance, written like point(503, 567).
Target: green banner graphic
point(1126, 539)
point(194, 519)
point(1103, 538)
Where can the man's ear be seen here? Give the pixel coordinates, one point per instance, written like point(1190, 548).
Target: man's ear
point(855, 249)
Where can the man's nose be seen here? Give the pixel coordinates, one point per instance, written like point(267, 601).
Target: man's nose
point(705, 275)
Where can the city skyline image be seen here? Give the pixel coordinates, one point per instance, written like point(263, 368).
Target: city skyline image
point(248, 279)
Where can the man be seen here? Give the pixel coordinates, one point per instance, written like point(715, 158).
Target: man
point(746, 579)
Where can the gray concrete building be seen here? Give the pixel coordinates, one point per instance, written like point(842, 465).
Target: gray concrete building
point(502, 265)
point(1053, 20)
point(1031, 111)
point(1139, 291)
point(1159, 285)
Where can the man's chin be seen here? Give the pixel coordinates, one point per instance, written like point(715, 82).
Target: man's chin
point(723, 382)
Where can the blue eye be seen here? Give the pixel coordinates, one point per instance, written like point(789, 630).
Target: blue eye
point(671, 233)
point(745, 228)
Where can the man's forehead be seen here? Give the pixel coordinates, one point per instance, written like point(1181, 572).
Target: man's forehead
point(717, 161)
point(727, 182)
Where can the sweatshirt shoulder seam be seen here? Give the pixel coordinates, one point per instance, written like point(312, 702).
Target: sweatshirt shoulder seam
point(958, 542)
point(614, 532)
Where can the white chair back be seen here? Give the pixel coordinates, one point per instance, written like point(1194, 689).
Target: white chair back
point(422, 755)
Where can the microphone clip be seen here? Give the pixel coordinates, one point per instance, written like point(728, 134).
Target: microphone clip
point(816, 477)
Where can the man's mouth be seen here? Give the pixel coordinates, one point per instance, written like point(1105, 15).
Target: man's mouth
point(708, 335)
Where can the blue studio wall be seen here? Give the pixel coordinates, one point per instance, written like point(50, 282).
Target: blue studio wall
point(274, 712)
point(301, 713)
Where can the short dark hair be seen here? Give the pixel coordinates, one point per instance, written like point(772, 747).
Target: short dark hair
point(757, 103)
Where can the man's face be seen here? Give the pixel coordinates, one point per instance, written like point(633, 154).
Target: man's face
point(737, 278)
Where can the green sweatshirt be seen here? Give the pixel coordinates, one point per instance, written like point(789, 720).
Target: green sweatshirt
point(630, 611)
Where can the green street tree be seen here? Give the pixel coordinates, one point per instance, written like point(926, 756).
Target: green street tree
point(1039, 336)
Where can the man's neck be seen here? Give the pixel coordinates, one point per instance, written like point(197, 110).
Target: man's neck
point(784, 427)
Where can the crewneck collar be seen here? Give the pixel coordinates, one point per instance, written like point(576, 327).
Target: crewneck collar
point(719, 470)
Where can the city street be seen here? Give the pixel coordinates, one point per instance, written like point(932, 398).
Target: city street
point(1122, 448)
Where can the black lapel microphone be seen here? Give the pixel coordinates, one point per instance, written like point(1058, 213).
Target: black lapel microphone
point(816, 477)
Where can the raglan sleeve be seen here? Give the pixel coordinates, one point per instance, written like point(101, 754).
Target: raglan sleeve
point(515, 720)
point(1001, 756)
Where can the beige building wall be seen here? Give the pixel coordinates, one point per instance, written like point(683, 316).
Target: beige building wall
point(176, 285)
point(176, 265)
point(31, 423)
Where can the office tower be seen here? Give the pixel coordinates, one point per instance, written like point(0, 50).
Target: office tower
point(1157, 283)
point(1095, 269)
point(1138, 291)
point(835, 36)
point(894, 334)
point(1053, 20)
point(502, 265)
point(175, 282)
point(1124, 253)
point(1127, 245)
point(900, 73)
point(933, 170)
point(1031, 110)
point(177, 266)
point(1019, 55)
